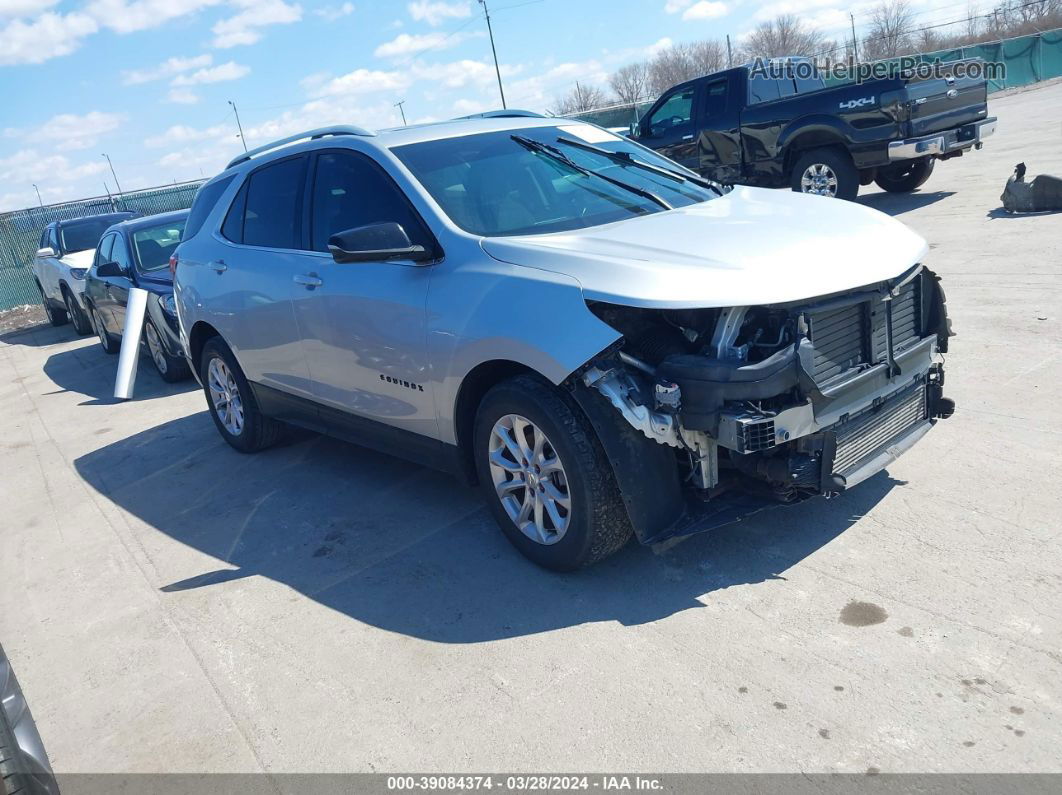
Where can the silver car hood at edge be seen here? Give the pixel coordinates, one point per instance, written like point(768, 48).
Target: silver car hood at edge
point(750, 246)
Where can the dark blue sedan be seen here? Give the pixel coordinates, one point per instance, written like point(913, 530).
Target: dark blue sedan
point(136, 253)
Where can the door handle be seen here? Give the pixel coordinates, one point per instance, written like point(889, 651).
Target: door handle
point(218, 266)
point(310, 280)
point(687, 137)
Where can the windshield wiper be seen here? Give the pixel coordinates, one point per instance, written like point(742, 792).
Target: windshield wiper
point(627, 158)
point(556, 154)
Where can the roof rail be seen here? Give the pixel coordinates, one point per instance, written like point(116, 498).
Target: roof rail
point(509, 113)
point(320, 132)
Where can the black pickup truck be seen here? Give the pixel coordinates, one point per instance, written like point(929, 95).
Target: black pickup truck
point(774, 128)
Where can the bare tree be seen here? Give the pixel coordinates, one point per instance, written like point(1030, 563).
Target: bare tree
point(631, 82)
point(707, 56)
point(891, 24)
point(781, 36)
point(580, 98)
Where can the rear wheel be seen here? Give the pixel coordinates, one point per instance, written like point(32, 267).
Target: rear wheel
point(906, 176)
point(232, 403)
point(107, 342)
point(77, 316)
point(545, 476)
point(825, 172)
point(171, 368)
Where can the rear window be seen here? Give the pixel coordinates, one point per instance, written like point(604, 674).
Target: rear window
point(205, 199)
point(85, 234)
point(155, 244)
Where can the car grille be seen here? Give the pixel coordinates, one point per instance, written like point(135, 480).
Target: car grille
point(868, 432)
point(854, 336)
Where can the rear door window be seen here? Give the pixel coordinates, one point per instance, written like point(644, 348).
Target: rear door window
point(715, 99)
point(272, 217)
point(763, 89)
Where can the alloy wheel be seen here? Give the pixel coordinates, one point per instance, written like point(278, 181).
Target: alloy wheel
point(225, 395)
point(101, 332)
point(158, 355)
point(529, 479)
point(819, 179)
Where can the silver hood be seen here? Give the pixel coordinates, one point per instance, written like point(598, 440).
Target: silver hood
point(751, 246)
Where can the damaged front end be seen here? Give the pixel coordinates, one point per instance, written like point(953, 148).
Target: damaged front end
point(747, 407)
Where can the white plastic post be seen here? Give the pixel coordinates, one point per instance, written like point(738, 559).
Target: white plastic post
point(134, 326)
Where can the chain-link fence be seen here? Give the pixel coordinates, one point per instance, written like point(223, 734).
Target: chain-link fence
point(1028, 59)
point(20, 231)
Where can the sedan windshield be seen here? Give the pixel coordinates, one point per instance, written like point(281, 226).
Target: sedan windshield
point(155, 244)
point(547, 179)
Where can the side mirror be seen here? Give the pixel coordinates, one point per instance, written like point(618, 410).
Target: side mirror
point(109, 269)
point(47, 251)
point(374, 243)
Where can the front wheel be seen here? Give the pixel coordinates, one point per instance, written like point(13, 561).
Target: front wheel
point(77, 317)
point(906, 176)
point(825, 172)
point(171, 368)
point(232, 403)
point(107, 342)
point(545, 476)
point(57, 317)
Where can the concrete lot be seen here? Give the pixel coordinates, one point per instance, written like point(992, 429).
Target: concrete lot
point(170, 605)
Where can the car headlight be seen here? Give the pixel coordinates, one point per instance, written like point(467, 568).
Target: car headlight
point(168, 304)
point(78, 273)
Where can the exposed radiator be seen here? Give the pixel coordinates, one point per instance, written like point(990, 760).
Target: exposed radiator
point(873, 429)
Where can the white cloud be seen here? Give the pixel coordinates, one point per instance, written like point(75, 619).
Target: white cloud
point(123, 16)
point(674, 6)
point(230, 70)
point(435, 13)
point(705, 9)
point(182, 96)
point(360, 81)
point(180, 134)
point(24, 8)
point(657, 46)
point(48, 36)
point(168, 68)
point(28, 166)
point(254, 14)
point(466, 107)
point(73, 131)
point(332, 13)
point(411, 44)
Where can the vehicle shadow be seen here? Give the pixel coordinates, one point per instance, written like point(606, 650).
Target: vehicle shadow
point(87, 370)
point(413, 551)
point(39, 336)
point(900, 203)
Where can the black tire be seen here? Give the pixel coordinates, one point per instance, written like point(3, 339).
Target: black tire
point(171, 368)
point(906, 176)
point(258, 431)
point(77, 316)
point(107, 342)
point(836, 161)
point(57, 317)
point(598, 524)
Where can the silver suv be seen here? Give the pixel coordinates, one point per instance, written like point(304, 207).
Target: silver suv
point(609, 344)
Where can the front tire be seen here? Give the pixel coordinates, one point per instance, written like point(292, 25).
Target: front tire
point(825, 172)
point(77, 316)
point(906, 176)
point(545, 476)
point(57, 317)
point(232, 403)
point(171, 368)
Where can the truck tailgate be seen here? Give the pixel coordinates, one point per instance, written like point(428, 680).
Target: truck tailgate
point(946, 102)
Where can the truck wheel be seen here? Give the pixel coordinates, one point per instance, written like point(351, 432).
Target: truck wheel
point(231, 402)
point(77, 317)
point(57, 317)
point(825, 172)
point(905, 177)
point(545, 476)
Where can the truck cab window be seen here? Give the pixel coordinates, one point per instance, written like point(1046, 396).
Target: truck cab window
point(715, 99)
point(764, 89)
point(675, 113)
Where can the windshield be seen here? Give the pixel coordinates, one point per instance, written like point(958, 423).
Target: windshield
point(85, 234)
point(154, 245)
point(492, 184)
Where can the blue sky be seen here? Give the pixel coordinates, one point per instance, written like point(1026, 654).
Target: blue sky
point(147, 81)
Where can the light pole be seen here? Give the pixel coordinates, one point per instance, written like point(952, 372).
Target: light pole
point(402, 111)
point(238, 125)
point(41, 203)
point(116, 183)
point(490, 33)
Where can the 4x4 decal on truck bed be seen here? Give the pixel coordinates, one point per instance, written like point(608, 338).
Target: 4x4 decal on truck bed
point(852, 104)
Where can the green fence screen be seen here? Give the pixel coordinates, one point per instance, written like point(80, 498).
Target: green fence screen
point(20, 232)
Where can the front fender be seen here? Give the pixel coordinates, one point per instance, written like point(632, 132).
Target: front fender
point(498, 311)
